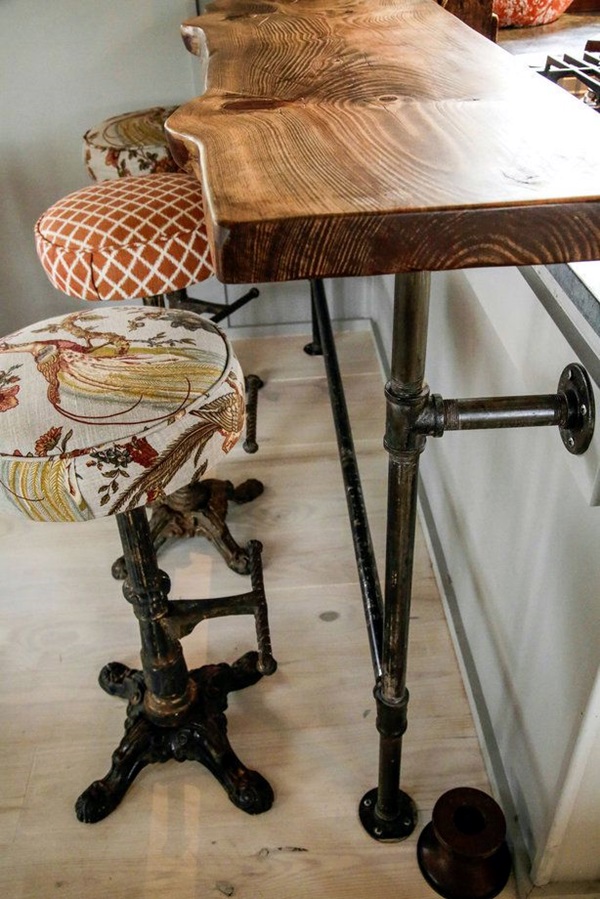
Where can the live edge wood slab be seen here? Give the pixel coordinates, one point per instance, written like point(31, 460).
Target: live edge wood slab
point(361, 137)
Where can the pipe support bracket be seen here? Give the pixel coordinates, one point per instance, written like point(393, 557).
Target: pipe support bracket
point(571, 409)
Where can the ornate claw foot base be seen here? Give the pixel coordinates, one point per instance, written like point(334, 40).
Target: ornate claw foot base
point(199, 734)
point(200, 510)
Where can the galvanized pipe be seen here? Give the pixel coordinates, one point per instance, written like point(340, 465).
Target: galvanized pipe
point(409, 334)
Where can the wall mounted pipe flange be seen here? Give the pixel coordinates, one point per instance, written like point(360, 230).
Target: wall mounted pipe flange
point(571, 409)
point(462, 852)
point(575, 386)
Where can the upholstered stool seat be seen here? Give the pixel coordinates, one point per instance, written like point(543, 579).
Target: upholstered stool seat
point(133, 143)
point(103, 412)
point(109, 409)
point(146, 238)
point(126, 239)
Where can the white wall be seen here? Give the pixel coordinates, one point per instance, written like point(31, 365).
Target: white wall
point(64, 67)
point(520, 542)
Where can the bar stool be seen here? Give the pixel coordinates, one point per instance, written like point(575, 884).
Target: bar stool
point(145, 237)
point(103, 412)
point(133, 144)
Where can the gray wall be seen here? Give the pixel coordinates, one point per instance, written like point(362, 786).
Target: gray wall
point(65, 66)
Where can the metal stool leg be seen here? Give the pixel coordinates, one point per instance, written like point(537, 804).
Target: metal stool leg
point(200, 510)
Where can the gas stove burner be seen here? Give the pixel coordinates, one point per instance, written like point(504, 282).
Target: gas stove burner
point(581, 77)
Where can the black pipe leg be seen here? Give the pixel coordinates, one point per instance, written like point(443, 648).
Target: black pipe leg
point(357, 512)
point(388, 813)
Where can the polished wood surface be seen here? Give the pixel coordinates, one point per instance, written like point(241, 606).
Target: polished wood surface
point(349, 137)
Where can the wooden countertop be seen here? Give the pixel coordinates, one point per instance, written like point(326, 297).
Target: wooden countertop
point(350, 137)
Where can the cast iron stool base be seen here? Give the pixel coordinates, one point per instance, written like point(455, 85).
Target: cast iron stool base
point(200, 735)
point(200, 510)
point(174, 713)
point(462, 852)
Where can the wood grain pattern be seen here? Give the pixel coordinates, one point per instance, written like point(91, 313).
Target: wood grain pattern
point(347, 137)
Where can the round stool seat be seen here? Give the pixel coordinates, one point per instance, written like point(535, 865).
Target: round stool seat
point(133, 143)
point(111, 409)
point(124, 239)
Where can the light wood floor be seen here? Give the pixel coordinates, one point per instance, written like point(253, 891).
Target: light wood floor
point(310, 729)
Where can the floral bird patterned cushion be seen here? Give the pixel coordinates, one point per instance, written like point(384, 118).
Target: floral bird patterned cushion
point(106, 410)
point(133, 143)
point(125, 239)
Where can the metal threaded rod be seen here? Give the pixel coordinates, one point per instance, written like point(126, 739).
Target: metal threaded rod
point(266, 663)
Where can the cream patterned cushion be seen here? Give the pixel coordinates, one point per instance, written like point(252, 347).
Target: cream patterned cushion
point(124, 239)
point(133, 143)
point(102, 411)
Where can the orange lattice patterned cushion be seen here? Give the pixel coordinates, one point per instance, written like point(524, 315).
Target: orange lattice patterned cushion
point(128, 238)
